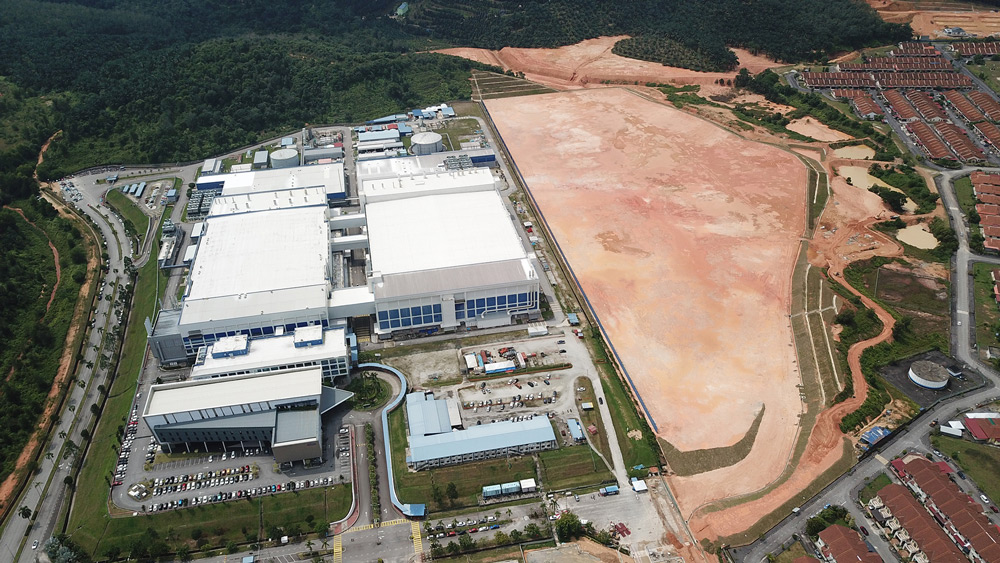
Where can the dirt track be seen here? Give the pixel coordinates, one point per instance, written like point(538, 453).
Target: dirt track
point(10, 484)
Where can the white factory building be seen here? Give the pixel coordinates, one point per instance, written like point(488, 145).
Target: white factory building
point(432, 247)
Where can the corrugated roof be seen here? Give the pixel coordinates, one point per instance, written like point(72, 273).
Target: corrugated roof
point(444, 280)
point(296, 425)
point(425, 415)
point(478, 438)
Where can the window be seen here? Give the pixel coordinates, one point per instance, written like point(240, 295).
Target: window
point(394, 314)
point(427, 309)
point(437, 308)
point(406, 321)
point(491, 302)
point(383, 316)
point(255, 332)
point(501, 300)
point(460, 315)
point(429, 319)
point(437, 318)
point(394, 323)
point(268, 330)
point(460, 306)
point(415, 311)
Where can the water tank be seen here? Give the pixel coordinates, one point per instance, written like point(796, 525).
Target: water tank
point(284, 158)
point(426, 143)
point(929, 375)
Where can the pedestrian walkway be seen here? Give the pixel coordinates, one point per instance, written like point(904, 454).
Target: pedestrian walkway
point(338, 550)
point(385, 524)
point(418, 542)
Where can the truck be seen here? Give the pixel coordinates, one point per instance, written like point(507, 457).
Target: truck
point(609, 490)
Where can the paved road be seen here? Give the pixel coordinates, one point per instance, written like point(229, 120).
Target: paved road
point(844, 490)
point(55, 465)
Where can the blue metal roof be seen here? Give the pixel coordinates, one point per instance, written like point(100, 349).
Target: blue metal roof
point(875, 434)
point(575, 429)
point(493, 436)
point(426, 415)
point(448, 112)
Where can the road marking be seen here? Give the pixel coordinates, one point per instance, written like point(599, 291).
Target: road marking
point(961, 312)
point(338, 550)
point(881, 459)
point(418, 542)
point(393, 523)
point(361, 528)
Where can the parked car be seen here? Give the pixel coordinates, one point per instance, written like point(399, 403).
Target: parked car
point(864, 530)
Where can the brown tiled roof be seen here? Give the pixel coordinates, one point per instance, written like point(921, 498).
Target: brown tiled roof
point(989, 198)
point(844, 544)
point(921, 527)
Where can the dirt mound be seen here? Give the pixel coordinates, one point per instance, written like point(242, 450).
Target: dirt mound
point(592, 62)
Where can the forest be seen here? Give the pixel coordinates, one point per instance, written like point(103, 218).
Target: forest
point(685, 33)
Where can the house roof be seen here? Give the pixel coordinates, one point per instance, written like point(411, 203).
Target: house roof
point(921, 527)
point(844, 544)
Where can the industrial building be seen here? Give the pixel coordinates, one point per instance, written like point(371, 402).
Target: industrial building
point(487, 441)
point(282, 274)
point(427, 416)
point(281, 410)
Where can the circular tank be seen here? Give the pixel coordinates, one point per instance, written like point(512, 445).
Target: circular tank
point(426, 143)
point(928, 375)
point(284, 158)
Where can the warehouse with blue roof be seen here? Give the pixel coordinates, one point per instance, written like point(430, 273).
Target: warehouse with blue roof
point(487, 441)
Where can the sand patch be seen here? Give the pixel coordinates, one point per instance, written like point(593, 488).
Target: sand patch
point(812, 128)
point(860, 178)
point(591, 62)
point(918, 235)
point(700, 317)
point(856, 152)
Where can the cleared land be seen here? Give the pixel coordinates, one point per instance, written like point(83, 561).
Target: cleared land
point(663, 216)
point(490, 85)
point(592, 61)
point(987, 313)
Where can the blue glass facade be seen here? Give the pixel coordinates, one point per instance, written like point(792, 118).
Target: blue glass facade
point(192, 343)
point(407, 317)
point(473, 308)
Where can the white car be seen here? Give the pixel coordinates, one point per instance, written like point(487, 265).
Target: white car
point(34, 544)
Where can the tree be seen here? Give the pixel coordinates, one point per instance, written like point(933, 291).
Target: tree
point(452, 492)
point(533, 531)
point(568, 526)
point(183, 553)
point(501, 538)
point(452, 548)
point(515, 535)
point(436, 495)
point(309, 546)
point(24, 512)
point(466, 542)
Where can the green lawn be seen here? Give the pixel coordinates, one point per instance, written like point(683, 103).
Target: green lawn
point(592, 416)
point(135, 220)
point(873, 487)
point(979, 462)
point(987, 313)
point(641, 451)
point(469, 478)
point(966, 197)
point(791, 554)
point(573, 466)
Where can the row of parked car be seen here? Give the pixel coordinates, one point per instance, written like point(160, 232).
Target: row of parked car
point(126, 450)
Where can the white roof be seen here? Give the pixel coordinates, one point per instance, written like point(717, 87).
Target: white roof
point(441, 231)
point(528, 484)
point(956, 424)
point(982, 415)
point(956, 432)
point(639, 486)
point(190, 253)
point(229, 391)
point(255, 263)
point(497, 435)
point(198, 229)
point(269, 352)
point(329, 177)
point(231, 344)
point(458, 181)
point(263, 201)
point(351, 296)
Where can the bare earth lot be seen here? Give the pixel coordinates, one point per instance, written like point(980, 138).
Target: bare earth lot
point(592, 61)
point(683, 237)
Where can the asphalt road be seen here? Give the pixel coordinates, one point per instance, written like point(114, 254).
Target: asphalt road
point(844, 490)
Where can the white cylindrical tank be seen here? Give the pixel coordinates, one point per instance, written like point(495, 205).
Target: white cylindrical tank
point(284, 158)
point(928, 375)
point(426, 143)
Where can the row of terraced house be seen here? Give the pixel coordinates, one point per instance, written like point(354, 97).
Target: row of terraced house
point(930, 520)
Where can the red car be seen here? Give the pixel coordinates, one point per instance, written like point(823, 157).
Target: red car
point(864, 530)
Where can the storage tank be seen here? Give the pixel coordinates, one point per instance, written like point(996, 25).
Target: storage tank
point(284, 158)
point(426, 143)
point(928, 375)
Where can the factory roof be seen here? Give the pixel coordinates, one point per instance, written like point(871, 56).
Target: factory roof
point(575, 428)
point(426, 415)
point(268, 352)
point(329, 177)
point(431, 232)
point(264, 201)
point(296, 426)
point(459, 181)
point(410, 165)
point(385, 135)
point(260, 157)
point(478, 438)
point(231, 391)
point(270, 261)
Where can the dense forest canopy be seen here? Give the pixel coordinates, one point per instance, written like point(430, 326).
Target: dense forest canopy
point(176, 80)
point(788, 30)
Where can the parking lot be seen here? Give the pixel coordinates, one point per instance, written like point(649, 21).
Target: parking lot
point(896, 373)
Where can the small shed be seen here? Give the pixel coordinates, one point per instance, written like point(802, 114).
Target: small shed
point(491, 491)
point(639, 486)
point(587, 406)
point(574, 320)
point(949, 431)
point(528, 486)
point(575, 429)
point(288, 141)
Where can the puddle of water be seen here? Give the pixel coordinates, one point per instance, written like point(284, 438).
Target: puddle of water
point(917, 235)
point(859, 152)
point(860, 178)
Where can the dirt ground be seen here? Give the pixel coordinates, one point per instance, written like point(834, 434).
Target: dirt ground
point(582, 551)
point(816, 130)
point(592, 61)
point(844, 236)
point(683, 237)
point(930, 18)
